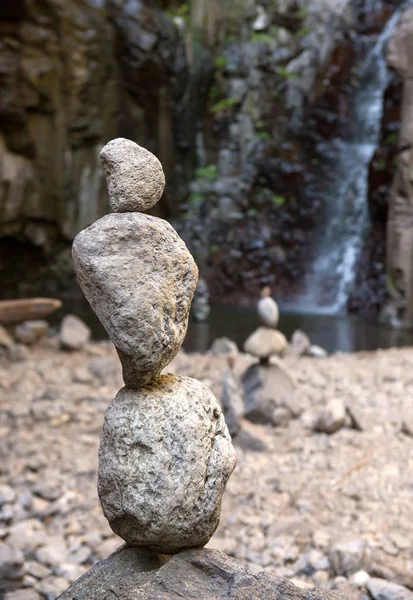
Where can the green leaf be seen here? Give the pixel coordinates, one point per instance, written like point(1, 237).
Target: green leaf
point(278, 200)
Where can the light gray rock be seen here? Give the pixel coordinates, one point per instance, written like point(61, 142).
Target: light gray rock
point(74, 334)
point(24, 594)
point(347, 556)
point(223, 346)
point(5, 339)
point(267, 389)
point(265, 342)
point(316, 351)
point(268, 311)
point(164, 460)
point(232, 401)
point(300, 342)
point(11, 567)
point(31, 332)
point(134, 175)
point(332, 418)
point(139, 278)
point(380, 589)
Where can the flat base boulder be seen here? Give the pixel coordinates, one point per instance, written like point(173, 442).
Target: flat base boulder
point(164, 460)
point(270, 395)
point(131, 574)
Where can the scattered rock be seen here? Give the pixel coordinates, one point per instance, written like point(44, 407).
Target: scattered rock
point(11, 567)
point(252, 437)
point(5, 339)
point(267, 388)
point(104, 367)
point(31, 332)
point(204, 575)
point(7, 494)
point(28, 309)
point(300, 343)
point(24, 594)
point(223, 346)
point(146, 278)
point(232, 401)
point(52, 587)
point(265, 342)
point(359, 579)
point(74, 334)
point(332, 417)
point(347, 557)
point(317, 352)
point(167, 440)
point(134, 176)
point(17, 353)
point(380, 589)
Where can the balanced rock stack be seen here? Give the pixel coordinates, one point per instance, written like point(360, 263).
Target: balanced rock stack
point(165, 454)
point(269, 391)
point(266, 340)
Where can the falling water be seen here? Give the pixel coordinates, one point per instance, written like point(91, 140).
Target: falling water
point(342, 228)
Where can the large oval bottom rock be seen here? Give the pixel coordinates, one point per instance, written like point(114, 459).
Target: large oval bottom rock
point(164, 460)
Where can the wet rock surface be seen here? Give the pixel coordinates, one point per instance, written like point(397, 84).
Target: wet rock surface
point(294, 491)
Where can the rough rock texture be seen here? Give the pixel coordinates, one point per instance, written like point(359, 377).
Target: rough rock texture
point(134, 176)
point(164, 460)
point(270, 395)
point(399, 248)
point(193, 575)
point(264, 342)
point(139, 278)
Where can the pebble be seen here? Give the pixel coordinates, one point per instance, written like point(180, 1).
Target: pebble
point(332, 417)
point(74, 333)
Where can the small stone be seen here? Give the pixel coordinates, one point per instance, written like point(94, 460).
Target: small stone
point(104, 367)
point(54, 554)
point(164, 460)
point(24, 594)
point(5, 339)
point(11, 567)
point(7, 494)
point(27, 535)
point(359, 579)
point(267, 309)
point(265, 342)
point(300, 343)
point(17, 353)
point(223, 346)
point(347, 557)
point(36, 569)
point(380, 589)
point(317, 351)
point(232, 401)
point(332, 418)
point(134, 176)
point(74, 334)
point(31, 332)
point(145, 278)
point(82, 375)
point(52, 587)
point(267, 388)
point(81, 555)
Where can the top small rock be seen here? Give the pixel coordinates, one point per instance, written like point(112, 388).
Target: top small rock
point(134, 176)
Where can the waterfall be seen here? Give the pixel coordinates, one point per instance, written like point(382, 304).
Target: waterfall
point(341, 228)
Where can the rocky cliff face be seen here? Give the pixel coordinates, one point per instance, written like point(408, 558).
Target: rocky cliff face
point(234, 102)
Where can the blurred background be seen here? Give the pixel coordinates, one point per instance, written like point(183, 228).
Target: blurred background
point(283, 127)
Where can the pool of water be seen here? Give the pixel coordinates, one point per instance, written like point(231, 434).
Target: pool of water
point(334, 333)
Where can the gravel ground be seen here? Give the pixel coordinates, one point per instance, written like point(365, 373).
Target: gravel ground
point(325, 510)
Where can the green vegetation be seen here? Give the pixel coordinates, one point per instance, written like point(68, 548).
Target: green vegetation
point(196, 199)
point(183, 11)
point(381, 165)
point(222, 105)
point(220, 62)
point(278, 200)
point(210, 173)
point(263, 135)
point(214, 249)
point(303, 32)
point(285, 74)
point(391, 138)
point(262, 38)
